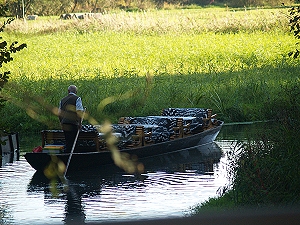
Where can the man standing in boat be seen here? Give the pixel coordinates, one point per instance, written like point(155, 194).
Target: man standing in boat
point(70, 112)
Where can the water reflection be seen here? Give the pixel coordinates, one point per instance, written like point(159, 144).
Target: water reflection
point(244, 131)
point(200, 160)
point(109, 185)
point(9, 149)
point(74, 210)
point(171, 184)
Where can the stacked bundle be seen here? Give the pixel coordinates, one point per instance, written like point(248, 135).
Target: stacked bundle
point(53, 149)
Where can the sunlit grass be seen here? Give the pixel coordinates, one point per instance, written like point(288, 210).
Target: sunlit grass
point(233, 62)
point(190, 41)
point(164, 21)
point(106, 55)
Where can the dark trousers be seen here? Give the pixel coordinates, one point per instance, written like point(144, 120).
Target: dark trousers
point(70, 132)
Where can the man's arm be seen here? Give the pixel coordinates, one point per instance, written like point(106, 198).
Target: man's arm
point(79, 106)
point(79, 110)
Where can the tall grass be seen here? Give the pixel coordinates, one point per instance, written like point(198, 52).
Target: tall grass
point(233, 62)
point(265, 172)
point(153, 22)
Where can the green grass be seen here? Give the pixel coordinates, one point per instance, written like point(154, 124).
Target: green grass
point(88, 56)
point(263, 171)
point(232, 62)
point(153, 22)
point(128, 64)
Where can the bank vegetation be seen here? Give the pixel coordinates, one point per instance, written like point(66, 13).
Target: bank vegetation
point(136, 63)
point(235, 62)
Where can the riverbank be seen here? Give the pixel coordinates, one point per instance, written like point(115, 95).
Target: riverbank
point(238, 71)
point(264, 170)
point(128, 70)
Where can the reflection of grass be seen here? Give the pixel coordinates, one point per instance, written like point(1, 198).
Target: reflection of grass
point(55, 173)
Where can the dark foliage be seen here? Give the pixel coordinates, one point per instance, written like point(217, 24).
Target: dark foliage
point(6, 51)
point(294, 22)
point(265, 171)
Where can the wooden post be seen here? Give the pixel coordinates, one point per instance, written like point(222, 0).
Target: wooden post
point(12, 151)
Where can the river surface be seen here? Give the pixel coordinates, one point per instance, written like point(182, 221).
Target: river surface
point(169, 187)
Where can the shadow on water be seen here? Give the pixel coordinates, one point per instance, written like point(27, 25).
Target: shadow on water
point(245, 131)
point(200, 160)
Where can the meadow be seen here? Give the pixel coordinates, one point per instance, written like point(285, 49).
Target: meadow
point(137, 63)
point(127, 64)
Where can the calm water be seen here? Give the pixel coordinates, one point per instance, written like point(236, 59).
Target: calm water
point(171, 184)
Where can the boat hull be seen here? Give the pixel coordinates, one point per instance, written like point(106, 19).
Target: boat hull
point(94, 160)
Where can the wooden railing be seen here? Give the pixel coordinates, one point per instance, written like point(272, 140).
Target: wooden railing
point(50, 136)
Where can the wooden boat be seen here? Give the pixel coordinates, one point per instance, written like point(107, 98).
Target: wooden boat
point(176, 129)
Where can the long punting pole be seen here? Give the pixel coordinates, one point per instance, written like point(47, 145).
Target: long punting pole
point(73, 147)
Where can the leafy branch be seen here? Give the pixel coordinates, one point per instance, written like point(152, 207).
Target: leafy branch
point(294, 22)
point(6, 51)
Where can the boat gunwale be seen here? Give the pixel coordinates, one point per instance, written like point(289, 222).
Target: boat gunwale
point(145, 146)
point(39, 160)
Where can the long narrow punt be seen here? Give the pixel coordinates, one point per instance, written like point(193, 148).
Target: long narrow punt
point(139, 136)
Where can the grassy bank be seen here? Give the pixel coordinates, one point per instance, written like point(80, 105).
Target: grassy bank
point(138, 63)
point(234, 62)
point(264, 171)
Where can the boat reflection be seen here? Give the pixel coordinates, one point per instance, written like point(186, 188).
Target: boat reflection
point(200, 160)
